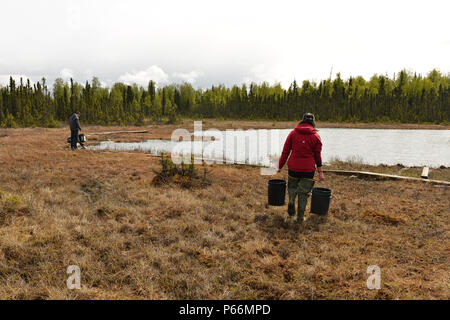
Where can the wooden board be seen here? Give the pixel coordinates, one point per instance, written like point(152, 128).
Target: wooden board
point(116, 132)
point(385, 176)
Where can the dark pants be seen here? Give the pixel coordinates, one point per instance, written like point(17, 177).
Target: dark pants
point(299, 187)
point(73, 139)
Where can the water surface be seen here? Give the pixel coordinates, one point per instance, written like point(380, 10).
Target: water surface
point(260, 147)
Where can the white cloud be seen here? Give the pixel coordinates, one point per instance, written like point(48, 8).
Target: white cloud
point(143, 77)
point(66, 73)
point(88, 74)
point(190, 77)
point(293, 39)
point(158, 75)
point(269, 74)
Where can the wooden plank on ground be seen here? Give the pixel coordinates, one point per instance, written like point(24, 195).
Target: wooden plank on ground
point(116, 132)
point(385, 176)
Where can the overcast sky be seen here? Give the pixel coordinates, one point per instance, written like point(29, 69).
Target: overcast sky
point(208, 42)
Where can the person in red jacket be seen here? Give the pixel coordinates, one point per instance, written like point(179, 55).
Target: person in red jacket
point(303, 146)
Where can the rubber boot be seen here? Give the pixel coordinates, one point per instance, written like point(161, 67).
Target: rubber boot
point(305, 186)
point(292, 191)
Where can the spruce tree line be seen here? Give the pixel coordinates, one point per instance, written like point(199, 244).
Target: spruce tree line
point(406, 98)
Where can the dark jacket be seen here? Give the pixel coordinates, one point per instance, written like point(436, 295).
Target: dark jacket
point(306, 147)
point(74, 122)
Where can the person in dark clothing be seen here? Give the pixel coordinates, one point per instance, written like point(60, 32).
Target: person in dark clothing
point(303, 146)
point(74, 122)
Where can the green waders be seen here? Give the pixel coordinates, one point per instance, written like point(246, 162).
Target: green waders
point(300, 187)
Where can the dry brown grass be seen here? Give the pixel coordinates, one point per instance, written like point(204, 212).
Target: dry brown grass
point(441, 173)
point(100, 211)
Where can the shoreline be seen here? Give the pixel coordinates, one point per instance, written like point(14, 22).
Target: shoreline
point(267, 124)
point(164, 132)
point(260, 124)
point(79, 206)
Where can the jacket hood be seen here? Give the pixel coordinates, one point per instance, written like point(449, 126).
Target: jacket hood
point(305, 128)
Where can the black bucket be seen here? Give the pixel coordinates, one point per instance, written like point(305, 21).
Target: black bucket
point(277, 192)
point(82, 138)
point(320, 201)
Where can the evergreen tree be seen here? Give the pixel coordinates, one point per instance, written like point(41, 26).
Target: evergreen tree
point(406, 97)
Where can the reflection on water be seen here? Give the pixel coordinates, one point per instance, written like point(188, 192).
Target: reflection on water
point(258, 147)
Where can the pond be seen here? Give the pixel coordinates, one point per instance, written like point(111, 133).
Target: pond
point(261, 147)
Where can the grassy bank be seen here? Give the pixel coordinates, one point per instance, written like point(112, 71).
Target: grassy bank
point(245, 124)
point(131, 239)
point(268, 124)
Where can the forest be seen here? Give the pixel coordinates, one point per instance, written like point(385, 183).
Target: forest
point(404, 98)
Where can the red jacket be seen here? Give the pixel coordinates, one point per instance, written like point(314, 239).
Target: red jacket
point(306, 146)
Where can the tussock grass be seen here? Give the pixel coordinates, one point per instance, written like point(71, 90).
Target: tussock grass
point(131, 239)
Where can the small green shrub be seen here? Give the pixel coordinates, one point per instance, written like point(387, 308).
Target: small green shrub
point(12, 201)
point(185, 175)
